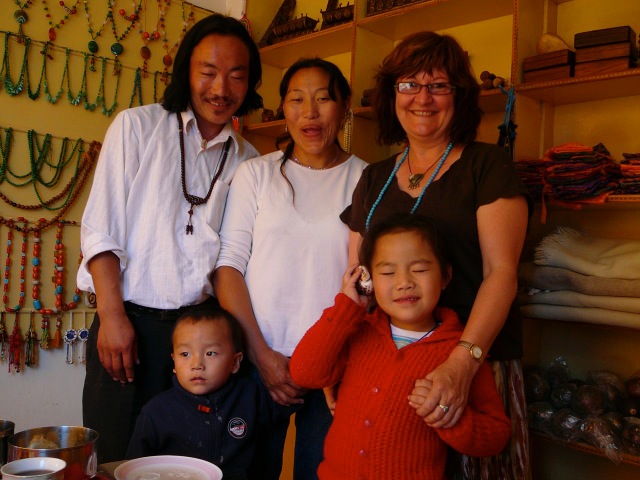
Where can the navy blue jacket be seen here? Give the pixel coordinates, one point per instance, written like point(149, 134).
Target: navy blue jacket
point(221, 427)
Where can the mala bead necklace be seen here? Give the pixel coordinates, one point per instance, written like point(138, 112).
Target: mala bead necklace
point(56, 26)
point(23, 257)
point(31, 344)
point(392, 176)
point(193, 199)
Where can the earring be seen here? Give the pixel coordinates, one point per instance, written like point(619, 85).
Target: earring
point(347, 129)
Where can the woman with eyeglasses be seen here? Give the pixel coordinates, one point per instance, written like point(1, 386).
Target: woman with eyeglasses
point(426, 99)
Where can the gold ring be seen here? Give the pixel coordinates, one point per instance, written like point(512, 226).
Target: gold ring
point(444, 408)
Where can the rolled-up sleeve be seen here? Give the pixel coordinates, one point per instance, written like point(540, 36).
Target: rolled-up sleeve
point(104, 221)
point(236, 234)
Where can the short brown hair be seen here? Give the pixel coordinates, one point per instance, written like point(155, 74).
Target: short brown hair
point(426, 52)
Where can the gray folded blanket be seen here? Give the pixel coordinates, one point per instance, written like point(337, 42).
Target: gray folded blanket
point(598, 316)
point(545, 277)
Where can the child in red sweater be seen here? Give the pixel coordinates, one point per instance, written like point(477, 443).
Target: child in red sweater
point(377, 357)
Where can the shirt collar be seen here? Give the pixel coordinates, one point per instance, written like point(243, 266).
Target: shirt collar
point(191, 127)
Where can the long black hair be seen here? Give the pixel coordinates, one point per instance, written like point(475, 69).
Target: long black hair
point(339, 91)
point(178, 93)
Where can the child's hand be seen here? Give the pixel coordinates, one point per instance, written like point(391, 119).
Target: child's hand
point(349, 280)
point(420, 393)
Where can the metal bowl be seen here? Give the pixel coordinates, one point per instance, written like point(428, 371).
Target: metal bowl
point(74, 445)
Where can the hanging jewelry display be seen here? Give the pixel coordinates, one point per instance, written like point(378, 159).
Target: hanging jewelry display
point(4, 339)
point(53, 25)
point(31, 344)
point(100, 97)
point(10, 87)
point(167, 59)
point(147, 36)
point(83, 336)
point(117, 48)
point(93, 46)
point(15, 345)
point(7, 269)
point(70, 337)
point(46, 337)
point(137, 88)
point(21, 17)
point(57, 337)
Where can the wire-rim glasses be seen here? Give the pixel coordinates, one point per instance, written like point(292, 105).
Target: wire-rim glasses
point(436, 88)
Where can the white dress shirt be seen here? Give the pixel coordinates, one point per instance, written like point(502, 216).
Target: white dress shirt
point(137, 210)
point(292, 253)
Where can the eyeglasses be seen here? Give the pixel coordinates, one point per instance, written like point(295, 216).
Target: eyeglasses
point(413, 88)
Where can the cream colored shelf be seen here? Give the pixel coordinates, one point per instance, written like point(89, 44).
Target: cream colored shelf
point(436, 14)
point(584, 89)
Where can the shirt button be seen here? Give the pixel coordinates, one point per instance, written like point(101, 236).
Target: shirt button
point(367, 423)
point(190, 262)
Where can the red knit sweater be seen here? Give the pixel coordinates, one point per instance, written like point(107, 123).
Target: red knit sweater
point(375, 432)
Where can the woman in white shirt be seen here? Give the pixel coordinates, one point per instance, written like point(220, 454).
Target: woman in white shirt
point(284, 249)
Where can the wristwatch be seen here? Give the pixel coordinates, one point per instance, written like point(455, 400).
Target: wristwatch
point(474, 350)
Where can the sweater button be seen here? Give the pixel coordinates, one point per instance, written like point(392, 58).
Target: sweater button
point(367, 423)
point(375, 390)
point(362, 453)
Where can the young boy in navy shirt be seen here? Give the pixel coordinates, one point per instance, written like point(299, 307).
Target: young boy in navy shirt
point(211, 412)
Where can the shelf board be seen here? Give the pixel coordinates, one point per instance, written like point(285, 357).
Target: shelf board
point(434, 15)
point(322, 43)
point(273, 129)
point(584, 89)
point(584, 447)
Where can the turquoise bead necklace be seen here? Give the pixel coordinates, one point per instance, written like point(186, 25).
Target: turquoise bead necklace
point(393, 174)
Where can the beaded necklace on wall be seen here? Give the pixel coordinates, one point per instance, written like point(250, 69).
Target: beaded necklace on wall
point(21, 17)
point(117, 48)
point(167, 59)
point(94, 34)
point(53, 25)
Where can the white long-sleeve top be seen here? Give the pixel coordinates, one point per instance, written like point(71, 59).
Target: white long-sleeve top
point(137, 210)
point(292, 255)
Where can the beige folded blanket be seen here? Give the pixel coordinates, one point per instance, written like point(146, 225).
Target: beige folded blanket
point(581, 253)
point(575, 299)
point(544, 277)
point(581, 314)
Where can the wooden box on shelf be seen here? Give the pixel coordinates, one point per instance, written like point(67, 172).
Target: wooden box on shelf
point(603, 67)
point(549, 66)
point(604, 36)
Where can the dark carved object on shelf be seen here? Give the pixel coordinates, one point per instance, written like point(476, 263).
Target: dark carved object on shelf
point(375, 7)
point(267, 115)
point(283, 16)
point(294, 28)
point(336, 14)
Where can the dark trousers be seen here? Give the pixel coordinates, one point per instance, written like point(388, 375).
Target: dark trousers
point(112, 408)
point(312, 420)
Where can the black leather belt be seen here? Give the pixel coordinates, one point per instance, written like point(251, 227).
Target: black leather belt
point(133, 307)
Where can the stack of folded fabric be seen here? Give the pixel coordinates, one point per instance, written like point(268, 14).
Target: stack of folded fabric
point(578, 173)
point(576, 277)
point(531, 172)
point(630, 174)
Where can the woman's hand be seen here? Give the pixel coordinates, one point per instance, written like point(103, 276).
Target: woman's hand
point(274, 370)
point(441, 396)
